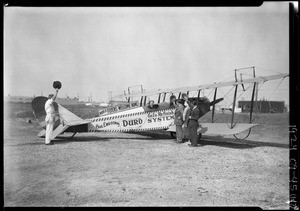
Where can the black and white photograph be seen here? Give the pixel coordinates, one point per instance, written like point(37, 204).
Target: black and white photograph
point(147, 106)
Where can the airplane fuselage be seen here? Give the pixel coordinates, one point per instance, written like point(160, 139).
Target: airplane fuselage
point(139, 118)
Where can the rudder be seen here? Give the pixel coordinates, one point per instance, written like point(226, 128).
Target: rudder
point(38, 107)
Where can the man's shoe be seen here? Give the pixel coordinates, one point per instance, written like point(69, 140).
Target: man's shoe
point(51, 143)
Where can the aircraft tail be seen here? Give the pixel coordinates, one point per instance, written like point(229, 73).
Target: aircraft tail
point(38, 107)
point(65, 121)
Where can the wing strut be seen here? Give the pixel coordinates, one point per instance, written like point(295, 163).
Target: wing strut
point(141, 102)
point(233, 106)
point(234, 101)
point(213, 110)
point(73, 135)
point(252, 102)
point(179, 95)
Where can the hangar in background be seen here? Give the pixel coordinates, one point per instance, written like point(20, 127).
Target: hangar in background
point(263, 106)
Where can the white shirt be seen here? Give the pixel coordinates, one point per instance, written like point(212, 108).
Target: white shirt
point(185, 110)
point(49, 106)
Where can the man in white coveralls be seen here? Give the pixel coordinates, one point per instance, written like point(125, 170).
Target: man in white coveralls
point(50, 117)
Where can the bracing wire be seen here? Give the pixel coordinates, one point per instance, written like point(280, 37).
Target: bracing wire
point(227, 93)
point(276, 88)
point(217, 79)
point(256, 115)
point(210, 93)
point(236, 99)
point(267, 69)
point(256, 104)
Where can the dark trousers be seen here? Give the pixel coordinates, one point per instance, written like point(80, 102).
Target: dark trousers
point(185, 133)
point(179, 133)
point(193, 134)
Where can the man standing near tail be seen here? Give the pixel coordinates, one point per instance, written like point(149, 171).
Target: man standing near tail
point(50, 117)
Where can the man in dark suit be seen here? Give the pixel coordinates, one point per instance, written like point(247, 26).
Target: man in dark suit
point(193, 123)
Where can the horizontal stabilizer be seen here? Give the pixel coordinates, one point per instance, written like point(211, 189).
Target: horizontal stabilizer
point(60, 129)
point(66, 115)
point(42, 134)
point(78, 122)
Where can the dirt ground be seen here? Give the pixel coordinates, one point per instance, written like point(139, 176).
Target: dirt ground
point(145, 169)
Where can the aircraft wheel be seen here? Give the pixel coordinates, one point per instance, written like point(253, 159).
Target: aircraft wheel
point(242, 135)
point(173, 134)
point(199, 137)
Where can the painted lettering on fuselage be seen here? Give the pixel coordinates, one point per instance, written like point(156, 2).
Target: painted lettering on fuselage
point(145, 120)
point(132, 122)
point(159, 119)
point(105, 124)
point(160, 116)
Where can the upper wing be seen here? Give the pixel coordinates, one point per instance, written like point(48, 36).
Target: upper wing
point(208, 86)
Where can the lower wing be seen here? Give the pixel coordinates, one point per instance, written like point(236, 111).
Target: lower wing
point(219, 128)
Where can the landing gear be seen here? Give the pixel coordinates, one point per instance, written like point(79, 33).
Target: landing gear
point(242, 135)
point(173, 135)
point(73, 135)
point(199, 138)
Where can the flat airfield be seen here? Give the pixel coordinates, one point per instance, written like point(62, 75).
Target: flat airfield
point(144, 169)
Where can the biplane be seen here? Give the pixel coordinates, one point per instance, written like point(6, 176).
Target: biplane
point(161, 116)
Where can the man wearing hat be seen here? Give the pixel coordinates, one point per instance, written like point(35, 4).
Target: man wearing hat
point(50, 117)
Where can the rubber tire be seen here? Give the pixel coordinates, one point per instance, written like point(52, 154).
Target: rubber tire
point(173, 134)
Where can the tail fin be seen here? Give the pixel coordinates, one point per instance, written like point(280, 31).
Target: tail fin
point(63, 115)
point(38, 107)
point(65, 121)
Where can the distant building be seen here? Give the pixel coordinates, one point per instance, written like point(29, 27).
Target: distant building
point(69, 101)
point(18, 99)
point(263, 106)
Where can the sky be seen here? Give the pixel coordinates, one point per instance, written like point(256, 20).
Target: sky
point(97, 50)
